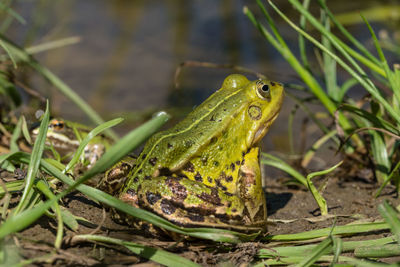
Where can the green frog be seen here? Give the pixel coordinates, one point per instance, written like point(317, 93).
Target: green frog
point(205, 171)
point(65, 136)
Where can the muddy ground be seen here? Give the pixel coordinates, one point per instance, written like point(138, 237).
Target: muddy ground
point(347, 193)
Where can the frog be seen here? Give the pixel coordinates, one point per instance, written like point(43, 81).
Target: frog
point(205, 171)
point(65, 136)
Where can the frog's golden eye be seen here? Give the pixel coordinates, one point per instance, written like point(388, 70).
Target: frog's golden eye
point(263, 90)
point(56, 125)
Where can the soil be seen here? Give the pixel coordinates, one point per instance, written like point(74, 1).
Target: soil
point(348, 192)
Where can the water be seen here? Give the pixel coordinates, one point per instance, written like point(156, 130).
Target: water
point(129, 52)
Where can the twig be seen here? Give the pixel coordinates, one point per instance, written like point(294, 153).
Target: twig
point(368, 128)
point(30, 91)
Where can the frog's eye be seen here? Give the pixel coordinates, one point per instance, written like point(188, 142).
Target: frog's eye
point(263, 90)
point(56, 125)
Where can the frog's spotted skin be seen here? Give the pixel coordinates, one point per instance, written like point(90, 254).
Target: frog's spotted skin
point(205, 171)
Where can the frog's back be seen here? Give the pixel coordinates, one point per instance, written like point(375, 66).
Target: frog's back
point(178, 144)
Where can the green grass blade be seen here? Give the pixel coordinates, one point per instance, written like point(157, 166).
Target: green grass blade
point(55, 163)
point(25, 130)
point(12, 187)
point(329, 64)
point(14, 138)
point(10, 55)
point(272, 25)
point(69, 219)
point(157, 255)
point(33, 167)
point(289, 261)
point(337, 250)
point(273, 161)
point(321, 249)
point(388, 250)
point(365, 263)
point(379, 151)
point(301, 250)
point(314, 191)
point(5, 157)
point(53, 44)
point(302, 45)
point(267, 35)
point(366, 62)
point(88, 138)
point(5, 164)
point(34, 199)
point(376, 121)
point(388, 179)
point(9, 253)
point(390, 216)
point(56, 208)
point(17, 222)
point(394, 83)
point(12, 13)
point(348, 34)
point(381, 159)
point(338, 230)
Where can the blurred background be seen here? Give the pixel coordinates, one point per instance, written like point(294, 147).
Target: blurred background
point(129, 51)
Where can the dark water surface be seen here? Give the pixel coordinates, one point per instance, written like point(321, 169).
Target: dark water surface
point(129, 51)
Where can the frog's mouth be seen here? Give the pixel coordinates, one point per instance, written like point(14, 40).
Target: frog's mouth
point(263, 129)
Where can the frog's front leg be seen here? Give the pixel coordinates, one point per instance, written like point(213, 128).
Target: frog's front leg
point(250, 186)
point(186, 202)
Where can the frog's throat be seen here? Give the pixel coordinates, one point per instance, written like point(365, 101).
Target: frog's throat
point(263, 129)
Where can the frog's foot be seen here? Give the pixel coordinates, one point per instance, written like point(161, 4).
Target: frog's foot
point(190, 203)
point(115, 177)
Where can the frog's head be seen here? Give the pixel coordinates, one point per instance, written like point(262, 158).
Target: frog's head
point(59, 133)
point(56, 126)
point(262, 108)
